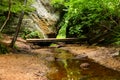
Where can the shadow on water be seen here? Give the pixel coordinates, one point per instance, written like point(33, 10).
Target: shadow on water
point(77, 69)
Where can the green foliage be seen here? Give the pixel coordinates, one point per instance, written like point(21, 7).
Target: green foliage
point(26, 33)
point(3, 49)
point(34, 34)
point(16, 6)
point(88, 18)
point(1, 36)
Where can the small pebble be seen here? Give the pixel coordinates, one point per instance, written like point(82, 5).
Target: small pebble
point(84, 65)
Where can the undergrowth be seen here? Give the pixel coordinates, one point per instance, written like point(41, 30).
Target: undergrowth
point(3, 49)
point(96, 20)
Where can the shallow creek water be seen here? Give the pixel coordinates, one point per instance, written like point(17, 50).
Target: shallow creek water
point(67, 68)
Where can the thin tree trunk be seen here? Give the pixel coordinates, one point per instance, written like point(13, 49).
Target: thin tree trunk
point(18, 27)
point(8, 17)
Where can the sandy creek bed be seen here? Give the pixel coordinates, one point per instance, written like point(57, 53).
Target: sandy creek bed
point(32, 64)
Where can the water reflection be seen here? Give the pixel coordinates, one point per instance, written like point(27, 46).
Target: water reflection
point(74, 71)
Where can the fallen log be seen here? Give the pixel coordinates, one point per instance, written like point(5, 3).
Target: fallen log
point(55, 40)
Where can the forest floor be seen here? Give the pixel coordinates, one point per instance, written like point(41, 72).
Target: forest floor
point(29, 63)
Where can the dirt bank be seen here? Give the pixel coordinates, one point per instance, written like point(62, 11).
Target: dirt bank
point(22, 67)
point(21, 64)
point(106, 56)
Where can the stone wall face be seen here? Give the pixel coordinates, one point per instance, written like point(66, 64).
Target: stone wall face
point(43, 19)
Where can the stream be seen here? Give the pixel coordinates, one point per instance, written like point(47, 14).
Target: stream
point(67, 66)
point(57, 63)
point(74, 72)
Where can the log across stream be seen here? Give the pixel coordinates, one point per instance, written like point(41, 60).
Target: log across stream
point(54, 40)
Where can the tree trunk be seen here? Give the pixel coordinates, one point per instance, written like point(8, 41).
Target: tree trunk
point(8, 17)
point(18, 27)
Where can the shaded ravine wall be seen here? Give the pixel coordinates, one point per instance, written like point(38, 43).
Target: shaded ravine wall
point(43, 19)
